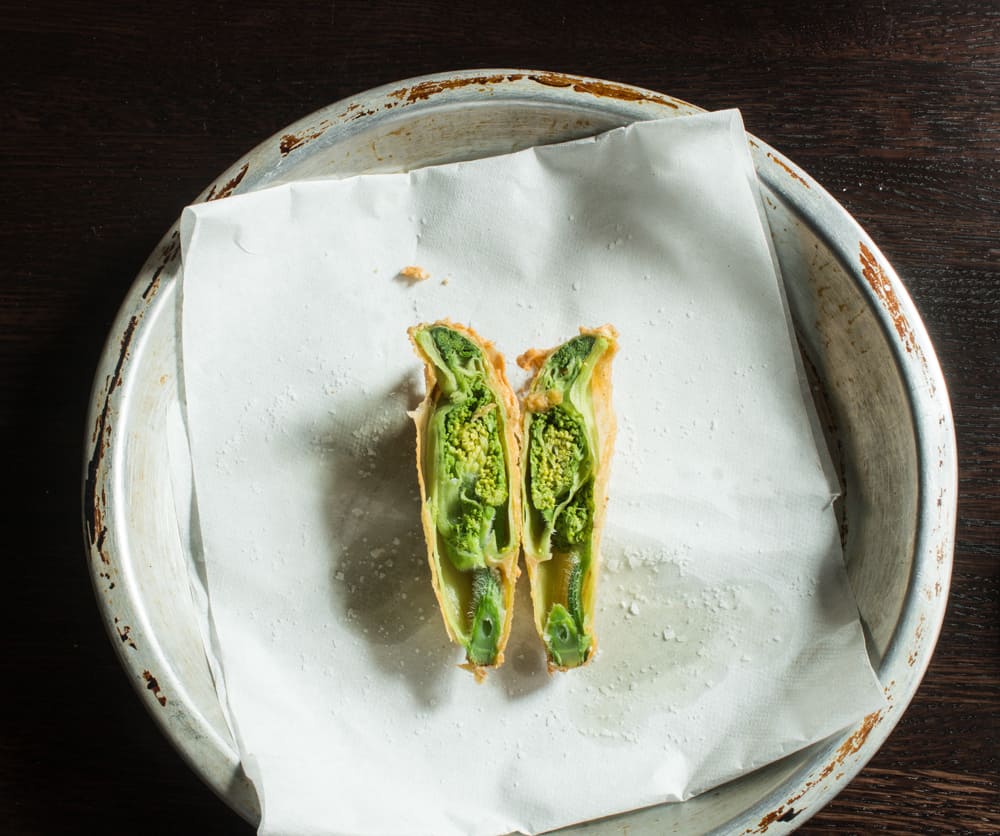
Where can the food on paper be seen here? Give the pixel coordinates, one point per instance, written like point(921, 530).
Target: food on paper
point(414, 273)
point(569, 432)
point(468, 429)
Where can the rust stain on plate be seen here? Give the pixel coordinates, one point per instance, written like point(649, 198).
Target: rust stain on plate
point(97, 522)
point(124, 633)
point(289, 142)
point(786, 812)
point(154, 686)
point(94, 506)
point(852, 744)
point(230, 187)
point(426, 89)
point(791, 171)
point(170, 252)
point(880, 284)
point(600, 88)
point(781, 814)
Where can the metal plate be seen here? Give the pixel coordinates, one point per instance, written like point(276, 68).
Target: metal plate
point(888, 415)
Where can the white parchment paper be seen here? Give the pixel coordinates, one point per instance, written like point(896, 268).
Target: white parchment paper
point(728, 635)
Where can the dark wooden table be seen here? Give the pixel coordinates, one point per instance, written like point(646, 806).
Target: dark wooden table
point(115, 115)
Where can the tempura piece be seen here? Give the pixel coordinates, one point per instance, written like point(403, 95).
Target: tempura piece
point(569, 432)
point(468, 429)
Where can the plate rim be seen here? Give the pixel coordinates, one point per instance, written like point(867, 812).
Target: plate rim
point(915, 635)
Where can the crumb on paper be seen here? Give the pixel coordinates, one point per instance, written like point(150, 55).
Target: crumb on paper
point(414, 273)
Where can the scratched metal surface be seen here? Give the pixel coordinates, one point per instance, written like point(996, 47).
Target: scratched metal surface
point(888, 413)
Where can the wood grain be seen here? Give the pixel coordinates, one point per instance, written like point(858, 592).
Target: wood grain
point(118, 114)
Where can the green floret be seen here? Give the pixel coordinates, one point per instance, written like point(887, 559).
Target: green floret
point(467, 533)
point(472, 483)
point(557, 450)
point(576, 521)
point(562, 368)
point(460, 363)
point(456, 349)
point(473, 453)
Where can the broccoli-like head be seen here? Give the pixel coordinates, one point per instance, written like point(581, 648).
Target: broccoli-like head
point(557, 448)
point(574, 524)
point(456, 349)
point(460, 363)
point(466, 461)
point(565, 363)
point(473, 454)
point(465, 533)
point(472, 476)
